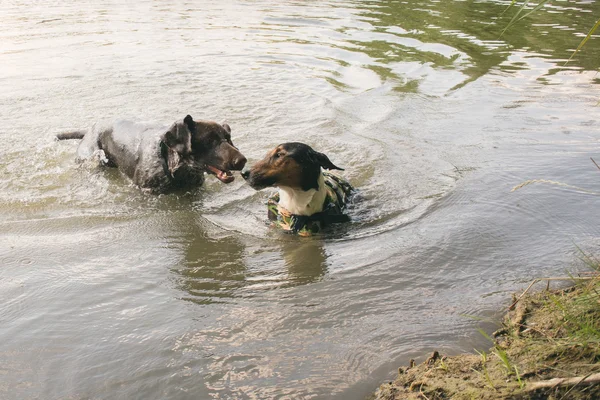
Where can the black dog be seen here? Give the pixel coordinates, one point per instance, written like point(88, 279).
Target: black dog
point(160, 158)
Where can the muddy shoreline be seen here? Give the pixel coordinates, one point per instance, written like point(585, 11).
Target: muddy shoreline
point(548, 347)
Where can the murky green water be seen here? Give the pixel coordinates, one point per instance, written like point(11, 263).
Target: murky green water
point(110, 293)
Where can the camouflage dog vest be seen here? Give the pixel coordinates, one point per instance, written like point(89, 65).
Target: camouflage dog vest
point(338, 191)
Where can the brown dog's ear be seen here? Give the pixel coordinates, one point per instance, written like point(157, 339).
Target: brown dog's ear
point(324, 161)
point(311, 167)
point(177, 143)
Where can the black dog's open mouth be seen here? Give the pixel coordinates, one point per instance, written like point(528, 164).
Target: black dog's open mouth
point(223, 176)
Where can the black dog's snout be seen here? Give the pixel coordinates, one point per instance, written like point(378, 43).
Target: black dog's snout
point(238, 163)
point(245, 173)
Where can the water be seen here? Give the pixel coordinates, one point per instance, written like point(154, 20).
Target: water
point(110, 293)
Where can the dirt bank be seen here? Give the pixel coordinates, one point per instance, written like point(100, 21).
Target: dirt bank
point(547, 348)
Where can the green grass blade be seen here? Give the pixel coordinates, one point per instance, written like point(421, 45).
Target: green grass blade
point(501, 354)
point(512, 3)
point(485, 335)
point(540, 5)
point(514, 18)
point(477, 318)
point(584, 41)
point(521, 383)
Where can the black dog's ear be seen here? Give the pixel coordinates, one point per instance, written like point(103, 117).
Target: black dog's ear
point(227, 128)
point(179, 136)
point(324, 161)
point(189, 122)
point(177, 143)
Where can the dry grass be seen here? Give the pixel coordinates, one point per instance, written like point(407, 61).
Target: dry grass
point(548, 348)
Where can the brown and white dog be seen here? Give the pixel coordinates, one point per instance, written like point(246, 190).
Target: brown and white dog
point(308, 198)
point(162, 157)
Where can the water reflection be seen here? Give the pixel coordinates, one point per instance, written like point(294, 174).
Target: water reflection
point(212, 268)
point(436, 47)
point(216, 266)
point(305, 260)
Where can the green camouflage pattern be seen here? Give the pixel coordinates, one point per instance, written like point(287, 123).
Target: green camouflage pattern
point(338, 192)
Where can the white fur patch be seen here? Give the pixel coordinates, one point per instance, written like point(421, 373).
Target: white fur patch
point(300, 202)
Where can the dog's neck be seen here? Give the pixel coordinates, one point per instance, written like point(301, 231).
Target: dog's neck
point(301, 202)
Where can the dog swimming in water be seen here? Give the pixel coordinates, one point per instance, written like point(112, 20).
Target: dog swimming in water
point(308, 198)
point(159, 158)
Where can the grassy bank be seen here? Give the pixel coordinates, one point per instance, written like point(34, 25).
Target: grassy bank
point(547, 348)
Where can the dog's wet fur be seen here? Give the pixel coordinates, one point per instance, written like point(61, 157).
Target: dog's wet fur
point(162, 158)
point(294, 168)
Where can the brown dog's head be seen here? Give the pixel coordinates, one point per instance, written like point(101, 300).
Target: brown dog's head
point(295, 165)
point(202, 145)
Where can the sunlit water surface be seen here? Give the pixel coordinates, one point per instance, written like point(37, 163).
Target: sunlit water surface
point(107, 292)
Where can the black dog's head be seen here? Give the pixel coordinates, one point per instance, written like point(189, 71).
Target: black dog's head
point(204, 145)
point(295, 165)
